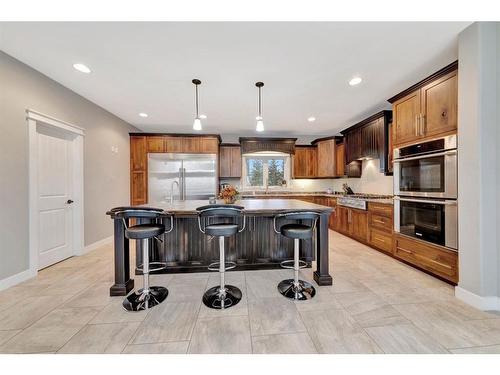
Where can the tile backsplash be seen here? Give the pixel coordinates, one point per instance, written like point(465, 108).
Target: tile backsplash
point(371, 181)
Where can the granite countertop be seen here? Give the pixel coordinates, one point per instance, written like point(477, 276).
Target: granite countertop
point(255, 206)
point(378, 198)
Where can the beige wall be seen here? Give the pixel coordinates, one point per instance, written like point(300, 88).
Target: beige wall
point(478, 166)
point(106, 174)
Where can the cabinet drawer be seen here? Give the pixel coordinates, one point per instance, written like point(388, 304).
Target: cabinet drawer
point(380, 209)
point(380, 240)
point(439, 261)
point(381, 222)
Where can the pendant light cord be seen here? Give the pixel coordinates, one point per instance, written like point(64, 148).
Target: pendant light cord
point(196, 89)
point(260, 103)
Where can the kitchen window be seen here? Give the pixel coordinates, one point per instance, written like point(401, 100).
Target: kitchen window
point(266, 170)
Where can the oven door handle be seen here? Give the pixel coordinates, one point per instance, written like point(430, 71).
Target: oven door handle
point(445, 202)
point(444, 153)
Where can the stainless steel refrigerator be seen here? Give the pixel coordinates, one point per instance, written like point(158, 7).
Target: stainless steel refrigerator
point(187, 176)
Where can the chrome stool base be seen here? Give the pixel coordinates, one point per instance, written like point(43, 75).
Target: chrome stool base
point(303, 292)
point(137, 301)
point(213, 297)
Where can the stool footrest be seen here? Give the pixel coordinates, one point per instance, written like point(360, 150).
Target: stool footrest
point(153, 266)
point(284, 264)
point(215, 266)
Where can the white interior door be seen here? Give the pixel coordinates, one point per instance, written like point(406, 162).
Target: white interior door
point(55, 216)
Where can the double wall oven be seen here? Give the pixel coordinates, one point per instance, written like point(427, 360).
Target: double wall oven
point(425, 188)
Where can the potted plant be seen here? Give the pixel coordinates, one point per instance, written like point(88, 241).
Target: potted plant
point(229, 194)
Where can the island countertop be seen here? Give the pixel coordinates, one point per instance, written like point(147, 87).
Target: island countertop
point(250, 206)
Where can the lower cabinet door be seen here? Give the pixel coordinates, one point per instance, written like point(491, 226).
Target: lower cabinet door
point(359, 224)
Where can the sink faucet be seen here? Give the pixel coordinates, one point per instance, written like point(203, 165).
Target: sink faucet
point(172, 190)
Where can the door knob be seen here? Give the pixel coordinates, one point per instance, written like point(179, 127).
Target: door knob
point(69, 201)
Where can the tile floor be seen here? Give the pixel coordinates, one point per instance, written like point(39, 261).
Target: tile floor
point(376, 305)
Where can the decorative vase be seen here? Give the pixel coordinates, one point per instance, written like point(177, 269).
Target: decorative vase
point(229, 200)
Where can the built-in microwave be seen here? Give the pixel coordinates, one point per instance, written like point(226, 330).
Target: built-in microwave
point(431, 220)
point(427, 169)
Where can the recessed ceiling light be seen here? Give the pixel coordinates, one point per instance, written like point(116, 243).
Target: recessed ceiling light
point(82, 68)
point(203, 116)
point(142, 114)
point(311, 119)
point(355, 81)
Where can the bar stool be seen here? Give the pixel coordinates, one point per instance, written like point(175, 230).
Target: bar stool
point(221, 296)
point(294, 288)
point(148, 296)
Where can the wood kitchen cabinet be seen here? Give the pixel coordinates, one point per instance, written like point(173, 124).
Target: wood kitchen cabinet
point(434, 259)
point(340, 160)
point(305, 162)
point(230, 161)
point(368, 139)
point(380, 226)
point(352, 222)
point(428, 108)
point(138, 170)
point(326, 151)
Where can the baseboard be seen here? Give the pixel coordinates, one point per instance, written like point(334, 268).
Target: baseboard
point(481, 303)
point(16, 279)
point(97, 245)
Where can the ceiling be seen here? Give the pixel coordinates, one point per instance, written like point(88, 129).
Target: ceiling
point(148, 67)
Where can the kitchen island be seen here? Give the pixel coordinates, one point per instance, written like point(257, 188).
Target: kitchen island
point(186, 249)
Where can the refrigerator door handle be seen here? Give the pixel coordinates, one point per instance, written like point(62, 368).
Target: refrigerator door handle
point(183, 184)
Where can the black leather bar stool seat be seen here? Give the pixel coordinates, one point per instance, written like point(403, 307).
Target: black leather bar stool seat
point(221, 230)
point(299, 231)
point(295, 288)
point(142, 231)
point(221, 296)
point(148, 296)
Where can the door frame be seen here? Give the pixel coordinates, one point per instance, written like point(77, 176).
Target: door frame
point(33, 118)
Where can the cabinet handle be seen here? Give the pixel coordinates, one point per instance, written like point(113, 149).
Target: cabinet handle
point(404, 250)
point(422, 124)
point(416, 124)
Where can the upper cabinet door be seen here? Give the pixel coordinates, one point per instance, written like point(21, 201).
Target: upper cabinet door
point(340, 160)
point(156, 143)
point(405, 116)
point(209, 145)
point(439, 105)
point(326, 158)
point(235, 162)
point(173, 144)
point(138, 153)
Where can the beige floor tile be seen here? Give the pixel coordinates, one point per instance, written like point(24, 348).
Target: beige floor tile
point(288, 343)
point(101, 338)
point(493, 349)
point(404, 339)
point(115, 313)
point(27, 311)
point(323, 300)
point(7, 335)
point(334, 331)
point(450, 330)
point(51, 332)
point(346, 284)
point(170, 321)
point(226, 335)
point(182, 288)
point(274, 315)
point(179, 347)
point(368, 309)
point(263, 284)
point(95, 295)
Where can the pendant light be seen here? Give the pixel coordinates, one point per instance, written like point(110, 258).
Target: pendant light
point(197, 121)
point(260, 120)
